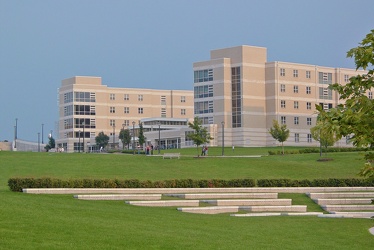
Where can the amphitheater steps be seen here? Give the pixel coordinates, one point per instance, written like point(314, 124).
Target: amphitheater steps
point(342, 201)
point(341, 195)
point(336, 208)
point(165, 203)
point(225, 196)
point(119, 197)
point(249, 202)
point(235, 209)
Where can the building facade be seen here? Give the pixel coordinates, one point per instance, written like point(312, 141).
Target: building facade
point(242, 93)
point(87, 107)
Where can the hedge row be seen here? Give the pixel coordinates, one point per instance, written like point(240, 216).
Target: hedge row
point(17, 184)
point(316, 150)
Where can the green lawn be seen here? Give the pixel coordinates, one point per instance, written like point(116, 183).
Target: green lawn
point(61, 222)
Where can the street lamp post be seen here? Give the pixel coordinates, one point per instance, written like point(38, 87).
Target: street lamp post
point(42, 133)
point(83, 135)
point(114, 133)
point(133, 134)
point(15, 133)
point(79, 142)
point(223, 137)
point(159, 137)
point(38, 142)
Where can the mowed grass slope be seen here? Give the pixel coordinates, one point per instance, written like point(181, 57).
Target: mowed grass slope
point(61, 222)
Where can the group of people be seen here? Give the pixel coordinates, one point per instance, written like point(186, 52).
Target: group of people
point(204, 150)
point(149, 149)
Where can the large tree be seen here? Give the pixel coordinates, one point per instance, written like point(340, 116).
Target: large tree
point(354, 118)
point(200, 134)
point(125, 137)
point(141, 137)
point(102, 139)
point(279, 133)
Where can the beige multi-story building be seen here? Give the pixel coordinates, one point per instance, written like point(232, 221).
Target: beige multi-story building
point(87, 107)
point(240, 91)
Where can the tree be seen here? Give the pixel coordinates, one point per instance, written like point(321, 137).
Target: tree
point(141, 137)
point(125, 137)
point(323, 134)
point(355, 117)
point(102, 139)
point(200, 134)
point(279, 133)
point(51, 144)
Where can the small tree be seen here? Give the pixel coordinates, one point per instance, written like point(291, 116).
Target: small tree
point(102, 140)
point(51, 144)
point(279, 133)
point(200, 135)
point(323, 133)
point(141, 136)
point(125, 137)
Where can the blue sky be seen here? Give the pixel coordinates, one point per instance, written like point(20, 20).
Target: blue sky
point(153, 44)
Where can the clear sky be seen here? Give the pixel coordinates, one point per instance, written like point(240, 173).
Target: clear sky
point(153, 44)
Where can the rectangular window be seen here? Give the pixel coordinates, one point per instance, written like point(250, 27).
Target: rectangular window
point(296, 89)
point(163, 100)
point(296, 120)
point(112, 110)
point(295, 104)
point(112, 123)
point(309, 121)
point(308, 90)
point(282, 72)
point(163, 112)
point(283, 88)
point(370, 95)
point(325, 93)
point(183, 111)
point(126, 97)
point(283, 120)
point(309, 138)
point(140, 98)
point(183, 99)
point(236, 97)
point(283, 104)
point(112, 97)
point(324, 78)
point(126, 123)
point(84, 96)
point(295, 73)
point(308, 105)
point(140, 110)
point(346, 78)
point(205, 75)
point(126, 110)
point(297, 137)
point(307, 74)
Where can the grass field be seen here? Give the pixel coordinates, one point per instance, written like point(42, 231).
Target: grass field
point(61, 222)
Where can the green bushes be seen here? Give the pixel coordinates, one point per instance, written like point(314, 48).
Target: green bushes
point(17, 184)
point(315, 183)
point(316, 150)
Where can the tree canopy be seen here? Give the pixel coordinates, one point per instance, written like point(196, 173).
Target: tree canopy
point(125, 137)
point(141, 136)
point(200, 135)
point(102, 139)
point(279, 132)
point(322, 133)
point(354, 118)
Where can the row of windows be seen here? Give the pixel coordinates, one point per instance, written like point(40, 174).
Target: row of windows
point(297, 137)
point(295, 104)
point(79, 110)
point(324, 93)
point(126, 110)
point(296, 120)
point(203, 91)
point(126, 97)
point(205, 75)
point(295, 73)
point(203, 107)
point(80, 97)
point(79, 123)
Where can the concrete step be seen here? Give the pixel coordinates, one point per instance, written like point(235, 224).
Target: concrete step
point(165, 203)
point(235, 209)
point(250, 202)
point(226, 196)
point(341, 195)
point(335, 208)
point(118, 197)
point(342, 201)
point(277, 214)
point(355, 214)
